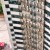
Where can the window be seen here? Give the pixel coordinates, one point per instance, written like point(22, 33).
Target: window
point(48, 4)
point(16, 16)
point(8, 12)
point(9, 19)
point(10, 24)
point(7, 6)
point(17, 22)
point(47, 12)
point(11, 30)
point(14, 2)
point(14, 9)
point(18, 28)
point(18, 33)
point(47, 26)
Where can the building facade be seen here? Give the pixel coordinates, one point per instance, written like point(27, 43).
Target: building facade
point(25, 20)
point(47, 26)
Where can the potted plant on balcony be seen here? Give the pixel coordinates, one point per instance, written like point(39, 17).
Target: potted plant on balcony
point(1, 11)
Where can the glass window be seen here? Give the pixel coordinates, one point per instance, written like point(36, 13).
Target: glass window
point(17, 22)
point(47, 33)
point(16, 16)
point(48, 4)
point(18, 28)
point(13, 0)
point(14, 9)
point(47, 12)
point(47, 27)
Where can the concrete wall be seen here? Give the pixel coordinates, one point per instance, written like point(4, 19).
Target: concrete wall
point(4, 36)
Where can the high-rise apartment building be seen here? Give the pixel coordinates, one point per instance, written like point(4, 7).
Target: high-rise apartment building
point(47, 26)
point(25, 20)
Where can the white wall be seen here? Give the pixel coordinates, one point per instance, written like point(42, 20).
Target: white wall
point(4, 36)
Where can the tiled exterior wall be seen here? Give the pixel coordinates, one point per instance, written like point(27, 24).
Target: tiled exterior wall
point(25, 19)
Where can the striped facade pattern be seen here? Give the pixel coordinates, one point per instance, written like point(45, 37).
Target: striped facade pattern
point(47, 26)
point(15, 23)
point(25, 20)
